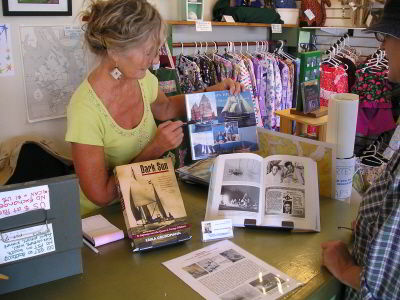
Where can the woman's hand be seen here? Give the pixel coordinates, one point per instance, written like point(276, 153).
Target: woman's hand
point(228, 84)
point(169, 135)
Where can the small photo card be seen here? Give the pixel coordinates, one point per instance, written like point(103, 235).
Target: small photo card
point(216, 229)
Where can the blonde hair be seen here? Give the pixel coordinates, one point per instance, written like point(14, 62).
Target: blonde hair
point(121, 24)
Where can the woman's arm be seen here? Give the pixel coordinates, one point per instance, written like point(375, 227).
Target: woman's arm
point(90, 167)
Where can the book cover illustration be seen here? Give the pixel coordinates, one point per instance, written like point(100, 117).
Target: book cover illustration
point(310, 93)
point(224, 123)
point(152, 204)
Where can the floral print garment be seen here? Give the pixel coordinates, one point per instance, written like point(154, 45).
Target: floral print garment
point(373, 88)
point(269, 74)
point(333, 80)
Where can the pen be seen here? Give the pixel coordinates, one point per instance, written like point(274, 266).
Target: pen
point(189, 123)
point(90, 246)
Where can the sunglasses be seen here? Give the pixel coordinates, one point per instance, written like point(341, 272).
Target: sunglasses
point(381, 37)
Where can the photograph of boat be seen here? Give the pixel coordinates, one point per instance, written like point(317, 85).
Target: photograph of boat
point(223, 123)
point(237, 108)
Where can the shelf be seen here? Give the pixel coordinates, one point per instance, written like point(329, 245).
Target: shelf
point(173, 22)
point(335, 27)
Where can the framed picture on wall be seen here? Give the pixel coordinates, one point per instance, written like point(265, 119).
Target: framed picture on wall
point(37, 7)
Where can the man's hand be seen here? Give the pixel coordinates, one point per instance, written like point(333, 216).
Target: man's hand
point(337, 259)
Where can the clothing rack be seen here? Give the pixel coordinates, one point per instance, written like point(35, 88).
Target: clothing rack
point(223, 44)
point(338, 43)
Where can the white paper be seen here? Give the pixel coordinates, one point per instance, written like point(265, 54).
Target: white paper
point(20, 201)
point(72, 31)
point(6, 56)
point(344, 178)
point(228, 19)
point(216, 229)
point(310, 15)
point(276, 28)
point(203, 26)
point(342, 123)
point(100, 231)
point(28, 242)
point(226, 271)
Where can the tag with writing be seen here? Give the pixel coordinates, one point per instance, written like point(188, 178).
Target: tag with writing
point(27, 242)
point(228, 19)
point(203, 26)
point(310, 15)
point(20, 201)
point(216, 229)
point(72, 31)
point(276, 28)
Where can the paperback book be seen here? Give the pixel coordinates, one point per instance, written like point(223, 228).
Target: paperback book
point(220, 123)
point(152, 204)
point(277, 191)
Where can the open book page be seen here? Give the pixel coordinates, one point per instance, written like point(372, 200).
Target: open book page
point(235, 188)
point(290, 192)
point(225, 271)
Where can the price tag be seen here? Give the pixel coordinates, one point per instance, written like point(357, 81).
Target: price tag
point(310, 15)
point(216, 229)
point(276, 28)
point(203, 26)
point(72, 31)
point(228, 19)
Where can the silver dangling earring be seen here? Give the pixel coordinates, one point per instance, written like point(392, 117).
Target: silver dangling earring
point(116, 73)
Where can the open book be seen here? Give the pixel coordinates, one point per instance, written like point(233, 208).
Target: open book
point(152, 204)
point(220, 123)
point(277, 191)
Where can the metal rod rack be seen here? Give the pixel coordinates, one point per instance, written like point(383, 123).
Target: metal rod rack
point(223, 44)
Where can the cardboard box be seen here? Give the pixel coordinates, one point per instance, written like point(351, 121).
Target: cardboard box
point(40, 232)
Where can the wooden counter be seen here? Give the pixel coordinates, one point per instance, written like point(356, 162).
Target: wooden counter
point(117, 273)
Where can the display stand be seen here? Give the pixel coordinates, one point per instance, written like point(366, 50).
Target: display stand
point(301, 123)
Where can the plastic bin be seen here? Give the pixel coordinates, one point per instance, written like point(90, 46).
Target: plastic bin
point(289, 15)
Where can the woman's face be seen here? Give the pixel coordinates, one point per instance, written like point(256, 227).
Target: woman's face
point(133, 62)
point(392, 45)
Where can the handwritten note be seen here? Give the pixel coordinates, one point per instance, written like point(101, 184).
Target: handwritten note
point(27, 242)
point(203, 26)
point(276, 28)
point(344, 177)
point(20, 201)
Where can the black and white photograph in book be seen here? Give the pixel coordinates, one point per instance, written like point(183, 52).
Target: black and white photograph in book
point(232, 255)
point(285, 200)
point(242, 292)
point(287, 207)
point(248, 170)
point(268, 282)
point(221, 123)
point(239, 197)
point(285, 172)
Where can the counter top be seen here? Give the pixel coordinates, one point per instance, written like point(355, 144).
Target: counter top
point(117, 273)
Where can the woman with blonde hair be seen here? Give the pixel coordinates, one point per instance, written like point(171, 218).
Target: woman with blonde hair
point(111, 114)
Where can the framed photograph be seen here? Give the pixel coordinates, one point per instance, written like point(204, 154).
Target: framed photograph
point(37, 7)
